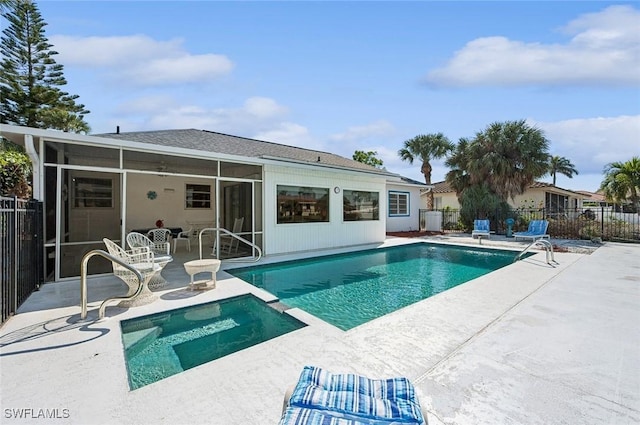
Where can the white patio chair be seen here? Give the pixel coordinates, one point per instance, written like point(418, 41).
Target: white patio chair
point(184, 236)
point(161, 255)
point(143, 261)
point(159, 235)
point(229, 243)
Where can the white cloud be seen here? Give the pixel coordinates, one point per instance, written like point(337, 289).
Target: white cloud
point(258, 117)
point(356, 133)
point(263, 107)
point(604, 49)
point(291, 134)
point(591, 143)
point(140, 60)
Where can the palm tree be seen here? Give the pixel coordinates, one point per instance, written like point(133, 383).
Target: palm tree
point(425, 148)
point(458, 162)
point(562, 165)
point(622, 181)
point(508, 157)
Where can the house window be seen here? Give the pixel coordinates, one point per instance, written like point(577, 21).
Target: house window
point(298, 204)
point(398, 204)
point(358, 205)
point(92, 193)
point(437, 203)
point(198, 196)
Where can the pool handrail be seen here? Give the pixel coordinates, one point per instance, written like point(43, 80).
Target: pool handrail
point(546, 245)
point(83, 282)
point(253, 258)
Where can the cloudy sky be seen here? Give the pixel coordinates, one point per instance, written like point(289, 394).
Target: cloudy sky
point(345, 76)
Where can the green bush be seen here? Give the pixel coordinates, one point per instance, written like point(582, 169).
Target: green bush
point(15, 171)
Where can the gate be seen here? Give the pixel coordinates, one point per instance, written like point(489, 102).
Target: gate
point(21, 252)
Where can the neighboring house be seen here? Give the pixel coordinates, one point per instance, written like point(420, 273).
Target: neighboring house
point(291, 199)
point(538, 195)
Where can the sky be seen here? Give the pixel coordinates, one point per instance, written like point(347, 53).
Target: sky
point(342, 76)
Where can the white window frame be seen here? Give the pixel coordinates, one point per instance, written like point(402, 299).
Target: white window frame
point(394, 204)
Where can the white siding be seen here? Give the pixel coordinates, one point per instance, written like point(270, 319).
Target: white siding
point(286, 238)
point(404, 223)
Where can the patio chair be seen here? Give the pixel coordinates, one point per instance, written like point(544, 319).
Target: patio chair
point(229, 243)
point(480, 229)
point(537, 230)
point(160, 252)
point(143, 261)
point(159, 235)
point(321, 397)
point(184, 236)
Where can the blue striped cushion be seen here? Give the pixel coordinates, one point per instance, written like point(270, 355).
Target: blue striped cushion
point(391, 400)
point(301, 416)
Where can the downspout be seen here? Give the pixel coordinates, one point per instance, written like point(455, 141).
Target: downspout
point(35, 166)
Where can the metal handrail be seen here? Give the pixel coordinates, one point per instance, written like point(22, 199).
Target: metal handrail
point(83, 282)
point(228, 232)
point(547, 246)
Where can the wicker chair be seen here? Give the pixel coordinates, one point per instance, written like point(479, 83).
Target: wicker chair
point(159, 236)
point(143, 261)
point(160, 252)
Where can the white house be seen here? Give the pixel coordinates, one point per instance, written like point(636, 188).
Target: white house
point(291, 199)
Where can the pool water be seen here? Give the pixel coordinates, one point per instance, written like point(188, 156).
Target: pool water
point(348, 290)
point(163, 344)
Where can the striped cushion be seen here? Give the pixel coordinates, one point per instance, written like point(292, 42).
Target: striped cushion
point(391, 400)
point(301, 416)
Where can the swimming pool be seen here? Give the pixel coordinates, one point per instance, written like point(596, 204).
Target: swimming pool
point(159, 345)
point(348, 290)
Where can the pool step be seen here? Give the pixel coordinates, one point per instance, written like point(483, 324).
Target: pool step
point(158, 361)
point(206, 348)
point(136, 341)
point(205, 330)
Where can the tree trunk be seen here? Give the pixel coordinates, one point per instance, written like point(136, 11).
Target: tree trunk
point(426, 171)
point(430, 200)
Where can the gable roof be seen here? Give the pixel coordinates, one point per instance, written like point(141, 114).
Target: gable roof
point(209, 141)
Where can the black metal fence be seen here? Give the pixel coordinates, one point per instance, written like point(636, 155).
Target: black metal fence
point(608, 223)
point(22, 250)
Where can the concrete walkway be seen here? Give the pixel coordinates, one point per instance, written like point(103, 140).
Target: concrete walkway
point(526, 344)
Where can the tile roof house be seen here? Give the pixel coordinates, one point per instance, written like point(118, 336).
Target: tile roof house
point(538, 195)
point(291, 199)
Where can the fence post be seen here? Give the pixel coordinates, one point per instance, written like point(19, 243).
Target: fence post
point(14, 249)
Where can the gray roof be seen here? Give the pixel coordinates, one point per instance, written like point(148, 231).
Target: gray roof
point(210, 141)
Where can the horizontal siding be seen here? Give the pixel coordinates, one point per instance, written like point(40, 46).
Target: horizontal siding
point(410, 222)
point(287, 238)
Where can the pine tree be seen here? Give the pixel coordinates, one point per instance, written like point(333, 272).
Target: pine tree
point(30, 77)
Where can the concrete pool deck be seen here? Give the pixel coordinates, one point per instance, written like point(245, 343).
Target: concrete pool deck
point(526, 344)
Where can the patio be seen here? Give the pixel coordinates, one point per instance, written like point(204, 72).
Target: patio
point(527, 344)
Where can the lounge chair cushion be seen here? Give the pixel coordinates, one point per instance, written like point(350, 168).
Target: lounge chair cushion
point(356, 398)
point(302, 416)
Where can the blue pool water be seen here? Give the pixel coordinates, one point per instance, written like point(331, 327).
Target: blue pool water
point(160, 345)
point(348, 290)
